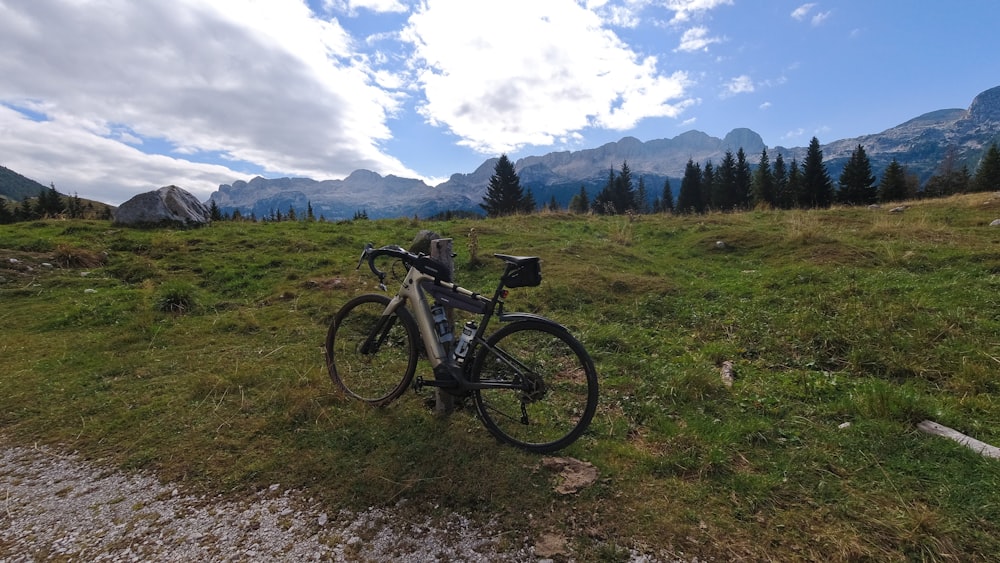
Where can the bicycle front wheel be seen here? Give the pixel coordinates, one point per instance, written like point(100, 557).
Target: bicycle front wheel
point(370, 355)
point(555, 394)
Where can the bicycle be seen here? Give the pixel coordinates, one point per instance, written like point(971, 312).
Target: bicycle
point(534, 384)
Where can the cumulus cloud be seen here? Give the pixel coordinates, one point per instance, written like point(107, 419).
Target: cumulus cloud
point(684, 10)
point(802, 13)
point(697, 39)
point(742, 84)
point(561, 72)
point(264, 84)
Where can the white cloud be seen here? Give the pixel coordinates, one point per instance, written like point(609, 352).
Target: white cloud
point(802, 11)
point(352, 6)
point(684, 10)
point(742, 84)
point(260, 82)
point(560, 73)
point(696, 39)
point(765, 106)
point(819, 18)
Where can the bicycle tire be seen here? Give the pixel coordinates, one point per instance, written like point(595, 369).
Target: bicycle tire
point(378, 376)
point(559, 410)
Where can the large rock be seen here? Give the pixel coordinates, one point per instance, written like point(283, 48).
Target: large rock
point(168, 205)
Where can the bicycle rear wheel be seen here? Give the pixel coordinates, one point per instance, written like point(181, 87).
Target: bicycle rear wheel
point(370, 356)
point(557, 394)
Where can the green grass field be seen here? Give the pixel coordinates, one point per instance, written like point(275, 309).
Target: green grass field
point(198, 355)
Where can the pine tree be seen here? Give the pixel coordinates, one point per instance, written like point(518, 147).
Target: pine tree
point(553, 204)
point(722, 194)
point(780, 181)
point(857, 182)
point(580, 203)
point(617, 196)
point(642, 197)
point(214, 213)
point(528, 204)
point(793, 191)
point(667, 199)
point(707, 181)
point(762, 186)
point(604, 203)
point(504, 195)
point(744, 180)
point(6, 215)
point(949, 178)
point(987, 176)
point(689, 200)
point(310, 215)
point(893, 184)
point(623, 195)
point(817, 189)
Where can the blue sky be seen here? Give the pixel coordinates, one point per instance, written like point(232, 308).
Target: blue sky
point(113, 98)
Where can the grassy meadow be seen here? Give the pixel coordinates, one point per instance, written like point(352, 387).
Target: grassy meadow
point(197, 354)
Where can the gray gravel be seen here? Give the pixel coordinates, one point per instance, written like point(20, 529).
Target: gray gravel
point(57, 507)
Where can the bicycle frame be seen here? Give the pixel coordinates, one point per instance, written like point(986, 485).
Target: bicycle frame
point(412, 292)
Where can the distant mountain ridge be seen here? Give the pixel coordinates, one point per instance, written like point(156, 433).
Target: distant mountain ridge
point(16, 187)
point(919, 144)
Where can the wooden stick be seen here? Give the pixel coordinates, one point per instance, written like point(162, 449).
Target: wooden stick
point(981, 448)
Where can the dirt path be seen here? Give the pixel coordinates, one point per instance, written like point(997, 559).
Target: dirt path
point(57, 507)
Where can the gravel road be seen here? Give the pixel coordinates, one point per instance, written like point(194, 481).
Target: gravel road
point(58, 507)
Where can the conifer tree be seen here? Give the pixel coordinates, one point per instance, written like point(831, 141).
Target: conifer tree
point(707, 181)
point(214, 213)
point(793, 191)
point(641, 197)
point(762, 187)
point(744, 179)
point(689, 200)
point(780, 173)
point(892, 187)
point(528, 204)
point(603, 203)
point(553, 204)
point(857, 182)
point(817, 189)
point(987, 176)
point(617, 195)
point(504, 194)
point(580, 203)
point(6, 215)
point(667, 198)
point(723, 195)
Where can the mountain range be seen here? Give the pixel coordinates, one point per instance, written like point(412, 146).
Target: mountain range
point(920, 144)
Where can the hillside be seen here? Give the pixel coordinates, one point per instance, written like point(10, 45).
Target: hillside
point(16, 187)
point(197, 356)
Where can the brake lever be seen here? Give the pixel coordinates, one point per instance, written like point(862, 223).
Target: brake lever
point(364, 254)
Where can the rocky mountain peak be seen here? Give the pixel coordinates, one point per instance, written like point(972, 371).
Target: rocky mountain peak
point(986, 106)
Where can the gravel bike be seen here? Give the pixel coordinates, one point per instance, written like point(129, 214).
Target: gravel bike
point(534, 384)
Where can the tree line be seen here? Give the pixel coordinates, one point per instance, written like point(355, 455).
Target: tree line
point(50, 203)
point(734, 184)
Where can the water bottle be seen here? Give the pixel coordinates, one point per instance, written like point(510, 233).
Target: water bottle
point(441, 325)
point(464, 340)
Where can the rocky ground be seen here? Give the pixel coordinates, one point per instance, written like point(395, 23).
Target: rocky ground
point(57, 507)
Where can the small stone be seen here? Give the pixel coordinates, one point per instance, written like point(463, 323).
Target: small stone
point(90, 291)
point(844, 425)
point(322, 520)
